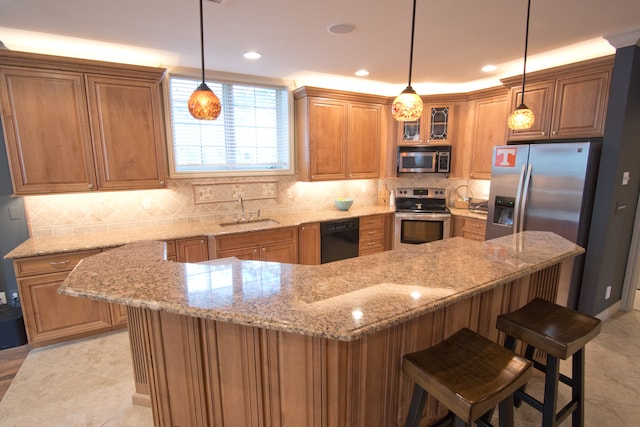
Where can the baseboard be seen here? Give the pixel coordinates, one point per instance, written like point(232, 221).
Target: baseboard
point(609, 311)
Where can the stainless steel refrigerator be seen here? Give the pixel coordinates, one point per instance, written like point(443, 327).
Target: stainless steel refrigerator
point(546, 187)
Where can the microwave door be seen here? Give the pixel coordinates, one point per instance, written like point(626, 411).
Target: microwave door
point(417, 162)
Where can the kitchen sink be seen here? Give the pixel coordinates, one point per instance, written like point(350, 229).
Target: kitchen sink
point(249, 223)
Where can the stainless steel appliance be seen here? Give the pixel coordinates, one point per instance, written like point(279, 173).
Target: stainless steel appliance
point(339, 239)
point(421, 216)
point(546, 187)
point(424, 158)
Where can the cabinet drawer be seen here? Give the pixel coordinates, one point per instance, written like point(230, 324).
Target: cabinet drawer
point(372, 222)
point(50, 263)
point(474, 229)
point(254, 238)
point(371, 246)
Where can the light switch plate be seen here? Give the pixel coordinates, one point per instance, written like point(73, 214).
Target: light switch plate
point(14, 212)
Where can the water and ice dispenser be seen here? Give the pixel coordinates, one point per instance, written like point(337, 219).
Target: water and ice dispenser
point(503, 211)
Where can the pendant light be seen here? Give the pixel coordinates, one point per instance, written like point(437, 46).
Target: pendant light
point(203, 103)
point(522, 117)
point(408, 105)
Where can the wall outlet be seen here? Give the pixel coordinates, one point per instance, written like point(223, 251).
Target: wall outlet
point(607, 292)
point(3, 298)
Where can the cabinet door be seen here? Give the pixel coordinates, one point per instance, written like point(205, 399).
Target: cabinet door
point(286, 252)
point(126, 119)
point(192, 250)
point(46, 128)
point(438, 124)
point(580, 105)
point(118, 314)
point(490, 130)
point(539, 98)
point(50, 316)
point(363, 141)
point(327, 139)
point(309, 244)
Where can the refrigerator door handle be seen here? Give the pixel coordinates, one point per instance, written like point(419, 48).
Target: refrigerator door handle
point(525, 193)
point(516, 209)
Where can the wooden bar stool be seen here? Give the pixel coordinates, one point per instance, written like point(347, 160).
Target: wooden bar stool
point(469, 375)
point(560, 332)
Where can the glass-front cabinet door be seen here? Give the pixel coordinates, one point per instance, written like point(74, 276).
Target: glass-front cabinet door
point(434, 126)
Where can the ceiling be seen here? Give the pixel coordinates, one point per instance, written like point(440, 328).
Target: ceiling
point(453, 39)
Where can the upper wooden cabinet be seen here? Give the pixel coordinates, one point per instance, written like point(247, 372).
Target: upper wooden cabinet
point(434, 126)
point(338, 134)
point(75, 125)
point(489, 128)
point(567, 102)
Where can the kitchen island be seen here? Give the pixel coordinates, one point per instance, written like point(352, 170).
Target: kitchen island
point(247, 343)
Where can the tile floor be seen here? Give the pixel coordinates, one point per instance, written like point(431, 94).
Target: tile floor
point(89, 383)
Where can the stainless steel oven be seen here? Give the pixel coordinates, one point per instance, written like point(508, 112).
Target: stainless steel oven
point(422, 216)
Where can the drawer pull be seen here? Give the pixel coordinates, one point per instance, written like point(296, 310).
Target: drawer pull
point(59, 263)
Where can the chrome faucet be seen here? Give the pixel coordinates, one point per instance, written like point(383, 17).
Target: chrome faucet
point(241, 208)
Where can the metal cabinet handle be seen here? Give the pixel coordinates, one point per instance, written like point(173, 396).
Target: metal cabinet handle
point(57, 263)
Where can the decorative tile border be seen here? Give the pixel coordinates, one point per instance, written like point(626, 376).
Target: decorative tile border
point(231, 191)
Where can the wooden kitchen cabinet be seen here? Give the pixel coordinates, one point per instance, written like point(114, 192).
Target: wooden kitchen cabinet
point(75, 125)
point(470, 228)
point(278, 244)
point(567, 102)
point(372, 234)
point(338, 134)
point(489, 130)
point(194, 249)
point(50, 317)
point(309, 244)
point(434, 126)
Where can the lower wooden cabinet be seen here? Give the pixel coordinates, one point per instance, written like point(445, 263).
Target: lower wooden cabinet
point(470, 228)
point(371, 234)
point(194, 249)
point(50, 317)
point(309, 244)
point(278, 245)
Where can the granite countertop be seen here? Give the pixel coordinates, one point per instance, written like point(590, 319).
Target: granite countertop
point(342, 300)
point(76, 242)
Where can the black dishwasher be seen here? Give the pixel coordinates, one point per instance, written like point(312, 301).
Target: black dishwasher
point(339, 239)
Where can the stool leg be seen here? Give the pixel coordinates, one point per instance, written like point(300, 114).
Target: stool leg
point(506, 412)
point(550, 392)
point(577, 388)
point(417, 404)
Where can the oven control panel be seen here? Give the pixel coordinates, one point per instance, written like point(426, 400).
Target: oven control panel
point(422, 193)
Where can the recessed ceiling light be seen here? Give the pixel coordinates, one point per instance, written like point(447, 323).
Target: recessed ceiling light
point(252, 55)
point(489, 68)
point(362, 73)
point(341, 29)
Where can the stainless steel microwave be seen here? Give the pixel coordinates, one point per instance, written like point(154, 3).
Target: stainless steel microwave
point(424, 158)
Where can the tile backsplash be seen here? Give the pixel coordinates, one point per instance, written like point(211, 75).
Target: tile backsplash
point(205, 200)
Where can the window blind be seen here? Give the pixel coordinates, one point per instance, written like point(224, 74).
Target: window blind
point(251, 134)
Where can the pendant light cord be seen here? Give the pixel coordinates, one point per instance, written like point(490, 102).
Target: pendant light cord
point(413, 26)
point(201, 41)
point(526, 45)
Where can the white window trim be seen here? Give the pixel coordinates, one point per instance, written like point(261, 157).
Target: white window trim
point(225, 78)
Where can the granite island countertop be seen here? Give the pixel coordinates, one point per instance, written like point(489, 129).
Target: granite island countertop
point(100, 240)
point(343, 300)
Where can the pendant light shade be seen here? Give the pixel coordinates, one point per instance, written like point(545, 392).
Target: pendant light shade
point(408, 105)
point(203, 103)
point(522, 117)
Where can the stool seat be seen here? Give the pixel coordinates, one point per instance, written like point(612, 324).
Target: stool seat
point(467, 373)
point(560, 333)
point(554, 329)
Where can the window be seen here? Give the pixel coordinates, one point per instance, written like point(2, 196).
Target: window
point(250, 136)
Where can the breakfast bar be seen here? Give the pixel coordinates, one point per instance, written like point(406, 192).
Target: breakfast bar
point(229, 342)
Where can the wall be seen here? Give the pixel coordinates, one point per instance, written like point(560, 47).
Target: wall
point(12, 231)
point(615, 204)
point(64, 214)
